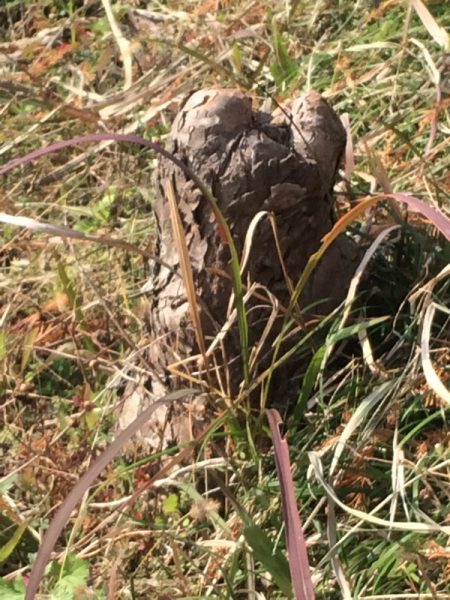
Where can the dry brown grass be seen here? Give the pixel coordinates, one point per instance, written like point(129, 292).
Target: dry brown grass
point(72, 322)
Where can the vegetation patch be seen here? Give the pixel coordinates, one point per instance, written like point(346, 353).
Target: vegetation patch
point(205, 514)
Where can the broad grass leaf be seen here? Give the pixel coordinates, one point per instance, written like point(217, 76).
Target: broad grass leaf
point(7, 549)
point(351, 330)
point(273, 561)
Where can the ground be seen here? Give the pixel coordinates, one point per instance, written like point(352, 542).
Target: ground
point(368, 437)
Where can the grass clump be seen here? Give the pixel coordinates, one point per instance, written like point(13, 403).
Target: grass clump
point(369, 438)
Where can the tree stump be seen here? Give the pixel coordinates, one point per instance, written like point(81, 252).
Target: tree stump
point(252, 162)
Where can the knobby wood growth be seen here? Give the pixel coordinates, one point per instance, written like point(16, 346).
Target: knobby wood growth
point(252, 161)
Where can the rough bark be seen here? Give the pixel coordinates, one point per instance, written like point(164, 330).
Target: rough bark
point(251, 162)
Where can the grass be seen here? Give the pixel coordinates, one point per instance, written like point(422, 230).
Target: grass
point(369, 439)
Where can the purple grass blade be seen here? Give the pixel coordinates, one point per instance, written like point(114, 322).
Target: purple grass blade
point(70, 503)
point(105, 137)
point(295, 540)
point(433, 214)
